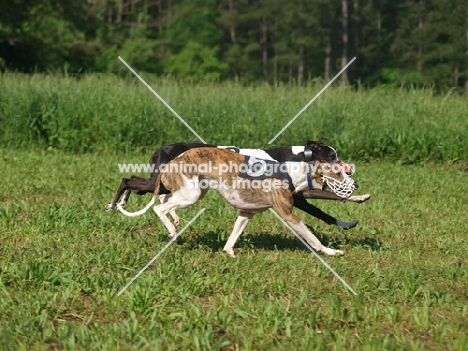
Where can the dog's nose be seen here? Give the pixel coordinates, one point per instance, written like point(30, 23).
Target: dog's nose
point(346, 168)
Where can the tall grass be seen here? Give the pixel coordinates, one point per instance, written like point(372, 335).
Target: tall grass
point(106, 113)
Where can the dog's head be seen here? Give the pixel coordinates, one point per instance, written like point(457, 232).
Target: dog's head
point(325, 153)
point(322, 152)
point(331, 177)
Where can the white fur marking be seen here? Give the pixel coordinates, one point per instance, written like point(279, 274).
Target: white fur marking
point(297, 149)
point(258, 153)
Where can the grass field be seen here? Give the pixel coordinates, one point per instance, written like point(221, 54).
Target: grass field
point(63, 261)
point(102, 113)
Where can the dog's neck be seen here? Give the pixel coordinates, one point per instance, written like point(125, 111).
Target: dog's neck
point(298, 173)
point(296, 150)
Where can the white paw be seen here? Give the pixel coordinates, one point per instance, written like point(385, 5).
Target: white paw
point(339, 252)
point(364, 198)
point(331, 252)
point(109, 207)
point(230, 252)
point(359, 198)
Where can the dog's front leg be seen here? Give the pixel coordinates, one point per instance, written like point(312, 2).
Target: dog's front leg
point(239, 227)
point(285, 209)
point(312, 239)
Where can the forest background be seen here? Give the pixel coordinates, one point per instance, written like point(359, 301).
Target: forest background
point(396, 42)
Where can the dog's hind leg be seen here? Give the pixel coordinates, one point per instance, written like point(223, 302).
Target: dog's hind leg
point(176, 220)
point(239, 227)
point(183, 197)
point(143, 185)
point(123, 201)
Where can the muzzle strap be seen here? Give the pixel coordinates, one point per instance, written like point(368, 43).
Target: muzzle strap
point(309, 179)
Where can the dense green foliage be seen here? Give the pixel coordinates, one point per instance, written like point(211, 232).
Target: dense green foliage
point(63, 261)
point(411, 42)
point(106, 113)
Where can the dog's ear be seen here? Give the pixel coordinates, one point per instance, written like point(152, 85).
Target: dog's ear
point(315, 145)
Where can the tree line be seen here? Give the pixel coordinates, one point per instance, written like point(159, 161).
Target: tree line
point(396, 42)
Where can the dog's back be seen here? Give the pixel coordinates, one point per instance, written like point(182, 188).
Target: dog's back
point(166, 154)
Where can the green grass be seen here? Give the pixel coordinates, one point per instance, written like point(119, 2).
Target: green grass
point(97, 113)
point(63, 261)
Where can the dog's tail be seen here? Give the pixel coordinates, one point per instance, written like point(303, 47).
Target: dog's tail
point(147, 207)
point(138, 213)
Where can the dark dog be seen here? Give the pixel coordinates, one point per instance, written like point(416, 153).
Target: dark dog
point(312, 151)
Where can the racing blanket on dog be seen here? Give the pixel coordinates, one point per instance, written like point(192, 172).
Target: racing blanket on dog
point(258, 165)
point(257, 168)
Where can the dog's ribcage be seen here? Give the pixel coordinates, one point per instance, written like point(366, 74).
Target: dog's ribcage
point(239, 192)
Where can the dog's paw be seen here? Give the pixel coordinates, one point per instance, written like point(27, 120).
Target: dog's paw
point(230, 252)
point(339, 252)
point(359, 198)
point(109, 207)
point(346, 225)
point(331, 252)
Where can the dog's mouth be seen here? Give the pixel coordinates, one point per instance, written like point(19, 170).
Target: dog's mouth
point(342, 188)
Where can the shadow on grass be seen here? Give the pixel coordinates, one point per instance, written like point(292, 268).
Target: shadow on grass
point(348, 239)
point(215, 241)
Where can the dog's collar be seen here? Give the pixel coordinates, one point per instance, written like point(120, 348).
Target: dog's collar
point(309, 179)
point(307, 154)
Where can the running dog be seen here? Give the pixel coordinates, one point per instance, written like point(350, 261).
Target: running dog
point(188, 182)
point(313, 150)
